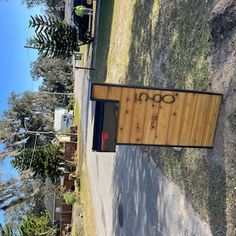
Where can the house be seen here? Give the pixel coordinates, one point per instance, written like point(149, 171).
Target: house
point(63, 120)
point(59, 211)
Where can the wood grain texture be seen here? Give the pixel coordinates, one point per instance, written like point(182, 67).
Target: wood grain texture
point(138, 116)
point(189, 121)
point(199, 120)
point(150, 122)
point(163, 120)
point(114, 93)
point(100, 92)
point(176, 118)
point(211, 120)
point(187, 118)
point(125, 115)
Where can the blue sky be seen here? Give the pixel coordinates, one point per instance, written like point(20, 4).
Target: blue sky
point(15, 60)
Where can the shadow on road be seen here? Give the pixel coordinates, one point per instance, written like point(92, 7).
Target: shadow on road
point(133, 181)
point(135, 211)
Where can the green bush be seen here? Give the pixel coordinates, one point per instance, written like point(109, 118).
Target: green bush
point(70, 105)
point(70, 197)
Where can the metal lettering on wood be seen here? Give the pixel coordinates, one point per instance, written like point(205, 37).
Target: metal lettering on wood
point(152, 116)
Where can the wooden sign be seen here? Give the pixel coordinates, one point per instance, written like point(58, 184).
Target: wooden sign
point(151, 116)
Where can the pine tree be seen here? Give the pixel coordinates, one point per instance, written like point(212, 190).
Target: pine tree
point(6, 230)
point(43, 161)
point(54, 38)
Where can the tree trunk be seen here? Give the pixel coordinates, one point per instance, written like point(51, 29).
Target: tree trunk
point(5, 154)
point(19, 200)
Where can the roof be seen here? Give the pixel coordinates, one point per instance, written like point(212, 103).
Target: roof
point(49, 199)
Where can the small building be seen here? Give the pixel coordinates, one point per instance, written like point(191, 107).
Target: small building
point(127, 115)
point(63, 120)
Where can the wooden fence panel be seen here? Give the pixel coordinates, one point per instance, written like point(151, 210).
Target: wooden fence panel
point(150, 122)
point(199, 120)
point(163, 120)
point(176, 118)
point(162, 117)
point(100, 92)
point(211, 120)
point(138, 116)
point(125, 115)
point(187, 118)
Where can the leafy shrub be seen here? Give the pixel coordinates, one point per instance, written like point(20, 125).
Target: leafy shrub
point(70, 197)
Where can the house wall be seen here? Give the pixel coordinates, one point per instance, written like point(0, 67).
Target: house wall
point(66, 209)
point(162, 117)
point(70, 149)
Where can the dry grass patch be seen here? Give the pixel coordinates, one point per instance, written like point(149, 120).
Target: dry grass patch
point(86, 225)
point(118, 55)
point(88, 218)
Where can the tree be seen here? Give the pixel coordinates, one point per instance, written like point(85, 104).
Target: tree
point(43, 161)
point(15, 191)
point(33, 3)
point(54, 38)
point(56, 74)
point(31, 226)
point(28, 110)
point(6, 230)
point(34, 225)
point(50, 4)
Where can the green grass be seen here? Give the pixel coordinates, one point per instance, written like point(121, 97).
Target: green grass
point(88, 213)
point(88, 228)
point(77, 230)
point(189, 45)
point(203, 181)
point(179, 43)
point(103, 40)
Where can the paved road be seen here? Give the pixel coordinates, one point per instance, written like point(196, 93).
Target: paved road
point(130, 195)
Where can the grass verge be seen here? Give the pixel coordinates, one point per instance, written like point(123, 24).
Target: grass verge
point(88, 215)
point(105, 21)
point(88, 228)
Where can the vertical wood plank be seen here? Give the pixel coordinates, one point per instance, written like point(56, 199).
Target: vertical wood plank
point(163, 120)
point(211, 120)
point(199, 120)
point(151, 116)
point(187, 118)
point(125, 115)
point(176, 118)
point(138, 116)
